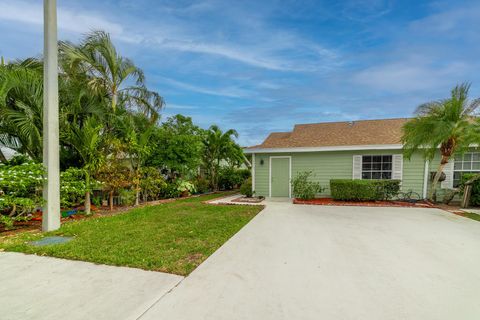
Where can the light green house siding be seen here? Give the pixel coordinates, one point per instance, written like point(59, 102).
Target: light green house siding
point(327, 165)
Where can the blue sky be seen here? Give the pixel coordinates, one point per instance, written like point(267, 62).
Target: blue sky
point(262, 66)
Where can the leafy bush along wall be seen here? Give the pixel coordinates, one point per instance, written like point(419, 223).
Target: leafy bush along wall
point(363, 190)
point(303, 188)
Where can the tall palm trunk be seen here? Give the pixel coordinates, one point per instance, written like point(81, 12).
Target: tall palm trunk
point(110, 199)
point(87, 194)
point(438, 174)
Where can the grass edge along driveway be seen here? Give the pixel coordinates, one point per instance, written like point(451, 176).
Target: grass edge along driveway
point(173, 237)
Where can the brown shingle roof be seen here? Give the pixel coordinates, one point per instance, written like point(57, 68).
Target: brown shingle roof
point(362, 132)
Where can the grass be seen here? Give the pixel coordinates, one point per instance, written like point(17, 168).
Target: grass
point(471, 215)
point(173, 237)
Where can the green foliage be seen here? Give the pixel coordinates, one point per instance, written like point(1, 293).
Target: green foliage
point(445, 123)
point(184, 186)
point(17, 160)
point(202, 185)
point(21, 180)
point(72, 187)
point(220, 146)
point(246, 188)
point(475, 195)
point(303, 188)
point(229, 177)
point(152, 183)
point(176, 145)
point(171, 191)
point(20, 190)
point(127, 196)
point(363, 190)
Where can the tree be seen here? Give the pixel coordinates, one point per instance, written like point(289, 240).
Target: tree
point(138, 149)
point(219, 146)
point(88, 141)
point(110, 73)
point(21, 108)
point(176, 146)
point(448, 124)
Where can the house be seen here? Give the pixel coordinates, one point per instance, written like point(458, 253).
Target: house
point(366, 149)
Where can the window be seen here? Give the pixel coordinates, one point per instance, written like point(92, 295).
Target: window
point(377, 167)
point(466, 163)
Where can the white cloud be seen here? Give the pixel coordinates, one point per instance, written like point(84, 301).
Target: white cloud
point(68, 20)
point(231, 92)
point(269, 49)
point(412, 75)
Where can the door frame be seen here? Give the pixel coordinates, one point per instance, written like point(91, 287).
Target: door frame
point(289, 174)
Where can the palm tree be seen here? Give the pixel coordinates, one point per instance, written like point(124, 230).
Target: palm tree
point(87, 140)
point(110, 73)
point(447, 124)
point(21, 107)
point(218, 146)
point(138, 141)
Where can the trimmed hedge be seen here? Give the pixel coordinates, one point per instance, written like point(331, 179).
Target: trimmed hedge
point(363, 190)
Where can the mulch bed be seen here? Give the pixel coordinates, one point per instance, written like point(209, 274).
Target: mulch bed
point(331, 202)
point(248, 200)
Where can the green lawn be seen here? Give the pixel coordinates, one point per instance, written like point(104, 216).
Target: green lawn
point(173, 237)
point(471, 215)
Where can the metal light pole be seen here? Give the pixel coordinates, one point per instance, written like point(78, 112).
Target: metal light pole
point(51, 161)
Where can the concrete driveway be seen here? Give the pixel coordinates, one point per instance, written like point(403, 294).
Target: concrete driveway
point(34, 287)
point(313, 262)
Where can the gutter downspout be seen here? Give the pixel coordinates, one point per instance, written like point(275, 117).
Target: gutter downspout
point(253, 173)
point(425, 179)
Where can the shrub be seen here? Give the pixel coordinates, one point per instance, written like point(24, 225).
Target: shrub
point(303, 188)
point(202, 185)
point(72, 187)
point(127, 196)
point(184, 186)
point(152, 183)
point(20, 191)
point(229, 178)
point(475, 195)
point(170, 191)
point(363, 190)
point(246, 188)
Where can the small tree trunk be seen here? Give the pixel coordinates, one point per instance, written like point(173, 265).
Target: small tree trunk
point(436, 178)
point(137, 184)
point(87, 193)
point(137, 197)
point(110, 200)
point(466, 196)
point(87, 203)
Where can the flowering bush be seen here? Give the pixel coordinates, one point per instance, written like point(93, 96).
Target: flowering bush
point(72, 187)
point(20, 191)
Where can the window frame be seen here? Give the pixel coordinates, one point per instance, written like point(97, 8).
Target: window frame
point(460, 159)
point(382, 171)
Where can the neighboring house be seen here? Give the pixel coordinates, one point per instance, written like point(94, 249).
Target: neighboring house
point(7, 152)
point(366, 149)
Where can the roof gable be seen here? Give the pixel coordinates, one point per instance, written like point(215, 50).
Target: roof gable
point(326, 134)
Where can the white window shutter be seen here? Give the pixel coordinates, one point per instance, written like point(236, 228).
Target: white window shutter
point(357, 167)
point(448, 170)
point(397, 166)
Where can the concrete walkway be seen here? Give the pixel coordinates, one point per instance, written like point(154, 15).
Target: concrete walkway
point(33, 287)
point(314, 262)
